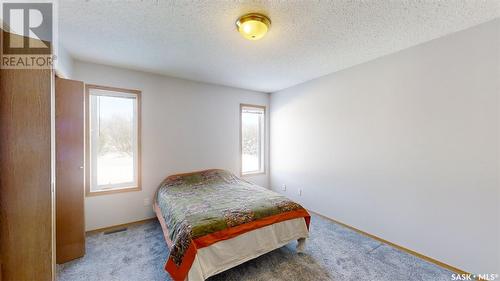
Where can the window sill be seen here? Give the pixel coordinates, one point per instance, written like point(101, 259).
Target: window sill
point(252, 174)
point(112, 191)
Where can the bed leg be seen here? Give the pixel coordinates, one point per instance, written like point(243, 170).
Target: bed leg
point(301, 245)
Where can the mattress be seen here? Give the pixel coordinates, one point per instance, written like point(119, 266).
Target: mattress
point(213, 220)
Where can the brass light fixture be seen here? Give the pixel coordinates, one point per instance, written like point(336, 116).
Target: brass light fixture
point(253, 26)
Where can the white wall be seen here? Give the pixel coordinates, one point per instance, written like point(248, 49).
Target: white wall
point(186, 126)
point(63, 63)
point(405, 147)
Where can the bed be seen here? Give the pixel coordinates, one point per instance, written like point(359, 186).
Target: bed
point(213, 220)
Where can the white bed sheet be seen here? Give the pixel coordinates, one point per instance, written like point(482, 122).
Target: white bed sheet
point(237, 250)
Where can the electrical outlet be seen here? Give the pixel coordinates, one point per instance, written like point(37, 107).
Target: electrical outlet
point(283, 187)
point(300, 191)
point(147, 202)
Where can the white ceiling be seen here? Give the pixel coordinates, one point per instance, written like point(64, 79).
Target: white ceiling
point(197, 40)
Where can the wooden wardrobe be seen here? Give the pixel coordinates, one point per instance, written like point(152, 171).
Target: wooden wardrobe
point(70, 172)
point(41, 155)
point(26, 175)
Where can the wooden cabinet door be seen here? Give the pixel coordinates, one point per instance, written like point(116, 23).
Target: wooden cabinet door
point(70, 178)
point(26, 175)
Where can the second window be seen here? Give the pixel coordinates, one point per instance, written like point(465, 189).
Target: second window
point(252, 128)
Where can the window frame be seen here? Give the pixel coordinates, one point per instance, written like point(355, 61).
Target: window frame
point(263, 141)
point(88, 166)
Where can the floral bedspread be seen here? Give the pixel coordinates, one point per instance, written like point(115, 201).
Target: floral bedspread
point(200, 204)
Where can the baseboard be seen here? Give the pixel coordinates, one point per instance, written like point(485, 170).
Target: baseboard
point(108, 228)
point(411, 252)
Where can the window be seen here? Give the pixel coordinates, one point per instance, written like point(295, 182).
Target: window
point(252, 133)
point(113, 140)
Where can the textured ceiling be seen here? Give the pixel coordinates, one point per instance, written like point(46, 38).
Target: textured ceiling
point(197, 40)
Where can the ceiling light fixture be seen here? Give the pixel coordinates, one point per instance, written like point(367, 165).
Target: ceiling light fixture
point(253, 26)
